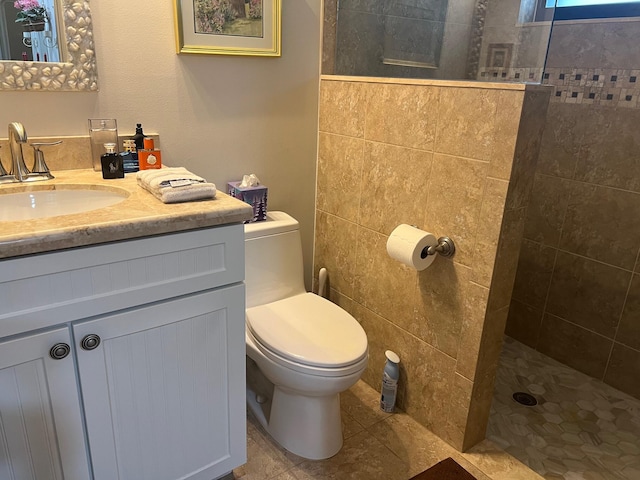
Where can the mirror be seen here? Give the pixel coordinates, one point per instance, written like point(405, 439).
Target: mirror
point(57, 54)
point(28, 30)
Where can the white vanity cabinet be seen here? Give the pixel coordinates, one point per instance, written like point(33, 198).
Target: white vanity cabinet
point(153, 385)
point(41, 433)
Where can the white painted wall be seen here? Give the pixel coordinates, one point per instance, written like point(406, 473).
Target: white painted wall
point(219, 116)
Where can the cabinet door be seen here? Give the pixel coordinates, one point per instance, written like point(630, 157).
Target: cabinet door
point(164, 391)
point(41, 435)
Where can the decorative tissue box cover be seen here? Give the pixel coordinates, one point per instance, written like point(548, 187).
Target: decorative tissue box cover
point(254, 196)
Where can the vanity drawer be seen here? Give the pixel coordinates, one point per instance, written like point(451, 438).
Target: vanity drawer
point(53, 288)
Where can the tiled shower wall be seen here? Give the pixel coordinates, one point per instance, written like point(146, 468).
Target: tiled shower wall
point(577, 291)
point(452, 158)
point(434, 32)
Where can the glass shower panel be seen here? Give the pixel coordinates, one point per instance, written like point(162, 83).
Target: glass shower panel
point(487, 40)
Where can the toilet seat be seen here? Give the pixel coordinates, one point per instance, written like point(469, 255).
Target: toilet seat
point(308, 333)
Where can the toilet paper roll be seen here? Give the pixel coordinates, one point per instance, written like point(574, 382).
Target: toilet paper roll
point(408, 244)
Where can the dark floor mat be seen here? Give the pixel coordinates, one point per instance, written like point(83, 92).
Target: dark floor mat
point(447, 469)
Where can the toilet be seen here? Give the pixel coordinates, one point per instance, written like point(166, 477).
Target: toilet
point(302, 350)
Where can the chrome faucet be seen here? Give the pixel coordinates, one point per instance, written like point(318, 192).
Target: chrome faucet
point(17, 136)
point(19, 171)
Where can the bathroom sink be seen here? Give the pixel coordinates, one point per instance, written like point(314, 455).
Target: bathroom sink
point(54, 202)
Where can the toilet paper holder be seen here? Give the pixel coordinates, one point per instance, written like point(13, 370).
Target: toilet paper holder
point(445, 247)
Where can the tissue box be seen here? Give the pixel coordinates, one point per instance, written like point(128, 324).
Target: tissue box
point(254, 196)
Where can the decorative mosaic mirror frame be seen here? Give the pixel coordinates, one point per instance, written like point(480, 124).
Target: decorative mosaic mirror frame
point(78, 73)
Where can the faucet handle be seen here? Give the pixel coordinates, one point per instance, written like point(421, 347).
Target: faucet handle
point(3, 172)
point(6, 177)
point(39, 165)
point(44, 144)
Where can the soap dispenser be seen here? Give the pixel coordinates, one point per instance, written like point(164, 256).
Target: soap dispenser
point(112, 165)
point(139, 137)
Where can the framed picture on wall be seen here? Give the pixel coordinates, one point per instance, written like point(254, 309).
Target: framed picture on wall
point(228, 27)
point(499, 55)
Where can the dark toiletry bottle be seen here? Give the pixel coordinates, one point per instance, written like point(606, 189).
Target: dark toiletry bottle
point(129, 156)
point(112, 165)
point(139, 137)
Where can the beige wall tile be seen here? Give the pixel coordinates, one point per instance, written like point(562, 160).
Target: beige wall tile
point(604, 224)
point(73, 153)
point(574, 346)
point(469, 125)
point(547, 208)
point(394, 186)
point(485, 341)
point(382, 335)
point(342, 108)
point(617, 136)
point(432, 317)
point(431, 388)
point(535, 267)
point(443, 289)
point(571, 131)
point(508, 118)
point(425, 373)
point(623, 368)
point(456, 188)
point(475, 306)
point(527, 149)
point(340, 162)
point(457, 412)
point(381, 283)
point(588, 293)
point(491, 343)
point(404, 115)
point(480, 406)
point(524, 323)
point(506, 264)
point(335, 249)
point(629, 329)
point(488, 233)
point(341, 300)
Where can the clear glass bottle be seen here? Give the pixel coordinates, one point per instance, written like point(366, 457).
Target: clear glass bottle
point(101, 132)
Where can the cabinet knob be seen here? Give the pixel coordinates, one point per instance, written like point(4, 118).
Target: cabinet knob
point(59, 351)
point(90, 342)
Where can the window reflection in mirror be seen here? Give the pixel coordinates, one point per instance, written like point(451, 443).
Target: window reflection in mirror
point(32, 37)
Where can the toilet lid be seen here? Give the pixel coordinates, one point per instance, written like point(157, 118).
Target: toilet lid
point(310, 330)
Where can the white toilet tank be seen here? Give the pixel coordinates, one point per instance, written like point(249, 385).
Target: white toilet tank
point(273, 259)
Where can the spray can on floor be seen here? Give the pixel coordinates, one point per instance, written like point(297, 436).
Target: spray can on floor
point(390, 382)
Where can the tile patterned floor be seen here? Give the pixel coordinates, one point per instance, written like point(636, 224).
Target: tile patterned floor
point(581, 428)
point(377, 446)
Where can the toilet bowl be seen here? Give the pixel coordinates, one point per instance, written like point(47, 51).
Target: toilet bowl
point(302, 350)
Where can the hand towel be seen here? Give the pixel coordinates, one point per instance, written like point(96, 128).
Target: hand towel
point(175, 184)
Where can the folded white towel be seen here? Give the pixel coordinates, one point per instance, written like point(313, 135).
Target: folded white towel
point(177, 184)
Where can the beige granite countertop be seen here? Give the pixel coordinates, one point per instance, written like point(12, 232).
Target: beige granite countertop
point(139, 215)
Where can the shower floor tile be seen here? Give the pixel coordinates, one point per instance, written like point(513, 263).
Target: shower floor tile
point(581, 429)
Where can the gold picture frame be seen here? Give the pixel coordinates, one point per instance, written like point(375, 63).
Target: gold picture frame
point(228, 27)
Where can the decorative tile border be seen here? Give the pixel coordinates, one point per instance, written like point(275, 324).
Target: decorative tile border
point(595, 86)
point(525, 75)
